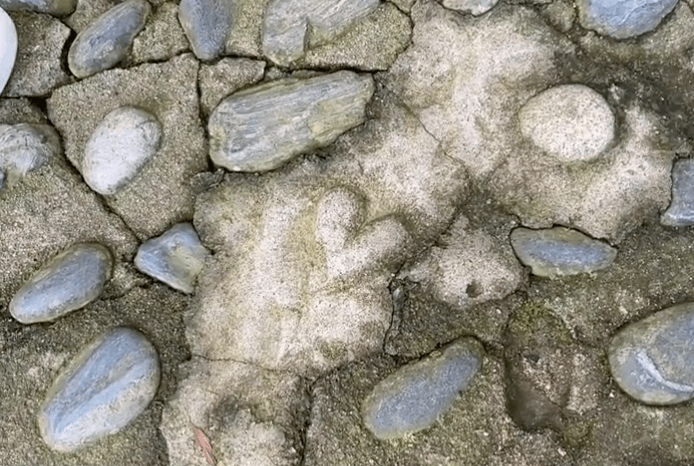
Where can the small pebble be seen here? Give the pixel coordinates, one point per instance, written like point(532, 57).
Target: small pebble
point(572, 123)
point(560, 251)
point(119, 147)
point(206, 24)
point(175, 258)
point(25, 147)
point(624, 18)
point(69, 282)
point(108, 385)
point(287, 24)
point(681, 210)
point(475, 7)
point(652, 360)
point(51, 7)
point(8, 47)
point(107, 40)
point(265, 126)
point(411, 399)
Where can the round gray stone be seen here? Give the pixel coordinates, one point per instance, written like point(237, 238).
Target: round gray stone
point(622, 19)
point(573, 123)
point(107, 40)
point(411, 398)
point(70, 281)
point(652, 360)
point(119, 147)
point(108, 385)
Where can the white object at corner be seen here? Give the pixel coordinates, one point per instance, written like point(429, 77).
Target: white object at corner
point(8, 47)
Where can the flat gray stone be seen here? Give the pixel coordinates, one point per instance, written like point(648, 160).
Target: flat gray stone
point(263, 127)
point(560, 251)
point(206, 24)
point(475, 7)
point(108, 39)
point(25, 148)
point(293, 25)
point(651, 359)
point(51, 7)
point(119, 147)
point(175, 258)
point(623, 19)
point(572, 122)
point(69, 282)
point(109, 384)
point(411, 398)
point(681, 210)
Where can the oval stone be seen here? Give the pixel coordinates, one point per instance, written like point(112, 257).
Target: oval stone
point(206, 24)
point(107, 40)
point(652, 360)
point(51, 7)
point(572, 123)
point(70, 281)
point(560, 251)
point(622, 19)
point(8, 48)
point(411, 398)
point(119, 147)
point(109, 384)
point(175, 258)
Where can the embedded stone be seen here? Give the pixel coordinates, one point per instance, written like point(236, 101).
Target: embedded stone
point(107, 40)
point(175, 258)
point(206, 24)
point(572, 122)
point(69, 282)
point(475, 7)
point(623, 19)
point(8, 49)
point(119, 147)
point(681, 210)
point(411, 399)
point(51, 7)
point(24, 148)
point(292, 26)
point(263, 127)
point(651, 360)
point(108, 385)
point(560, 251)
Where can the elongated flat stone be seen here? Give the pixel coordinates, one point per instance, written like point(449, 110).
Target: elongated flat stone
point(681, 210)
point(623, 19)
point(119, 147)
point(206, 24)
point(560, 251)
point(108, 385)
point(410, 399)
point(107, 40)
point(289, 22)
point(175, 258)
point(653, 359)
point(70, 281)
point(51, 7)
point(8, 47)
point(263, 127)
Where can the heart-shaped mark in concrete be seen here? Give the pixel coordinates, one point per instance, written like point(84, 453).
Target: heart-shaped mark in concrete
point(8, 47)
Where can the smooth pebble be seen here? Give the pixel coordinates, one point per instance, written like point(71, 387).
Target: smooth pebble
point(119, 147)
point(25, 147)
point(51, 7)
point(622, 19)
point(175, 258)
point(74, 278)
point(411, 398)
point(108, 385)
point(206, 23)
point(8, 47)
point(681, 210)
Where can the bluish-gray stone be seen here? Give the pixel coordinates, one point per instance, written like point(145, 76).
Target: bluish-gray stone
point(293, 25)
point(411, 398)
point(107, 40)
point(70, 281)
point(265, 126)
point(108, 385)
point(206, 24)
point(653, 359)
point(560, 251)
point(681, 210)
point(25, 147)
point(8, 47)
point(622, 19)
point(51, 7)
point(119, 147)
point(175, 258)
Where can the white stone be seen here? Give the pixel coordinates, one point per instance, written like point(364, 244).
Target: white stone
point(8, 47)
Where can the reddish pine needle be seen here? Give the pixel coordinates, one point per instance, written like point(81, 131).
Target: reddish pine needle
point(203, 441)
